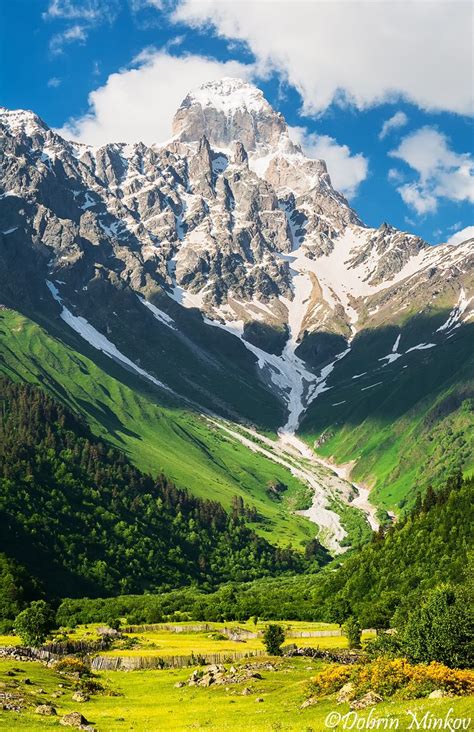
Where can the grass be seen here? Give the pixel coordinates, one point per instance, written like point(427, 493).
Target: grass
point(416, 427)
point(150, 702)
point(164, 643)
point(157, 434)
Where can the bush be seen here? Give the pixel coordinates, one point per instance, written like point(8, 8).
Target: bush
point(385, 644)
point(34, 624)
point(72, 667)
point(273, 638)
point(394, 678)
point(441, 629)
point(113, 623)
point(353, 631)
point(331, 679)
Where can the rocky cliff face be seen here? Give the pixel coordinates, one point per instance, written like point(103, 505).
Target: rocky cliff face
point(229, 217)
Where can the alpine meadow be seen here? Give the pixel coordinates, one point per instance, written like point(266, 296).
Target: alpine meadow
point(236, 365)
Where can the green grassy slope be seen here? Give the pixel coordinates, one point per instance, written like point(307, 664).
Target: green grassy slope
point(157, 434)
point(406, 424)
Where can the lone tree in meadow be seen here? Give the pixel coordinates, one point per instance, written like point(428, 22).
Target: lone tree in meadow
point(34, 624)
point(353, 631)
point(273, 637)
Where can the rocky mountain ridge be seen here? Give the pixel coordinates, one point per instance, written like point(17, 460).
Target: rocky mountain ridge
point(230, 218)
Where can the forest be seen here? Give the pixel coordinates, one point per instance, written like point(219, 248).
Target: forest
point(89, 532)
point(78, 519)
point(378, 584)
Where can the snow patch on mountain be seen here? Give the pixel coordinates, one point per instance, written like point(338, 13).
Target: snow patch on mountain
point(159, 314)
point(97, 340)
point(455, 316)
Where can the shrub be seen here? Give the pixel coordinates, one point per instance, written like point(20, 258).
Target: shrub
point(72, 667)
point(353, 631)
point(441, 629)
point(273, 637)
point(113, 623)
point(385, 644)
point(394, 678)
point(331, 679)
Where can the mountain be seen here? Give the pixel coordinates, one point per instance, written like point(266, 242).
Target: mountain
point(224, 269)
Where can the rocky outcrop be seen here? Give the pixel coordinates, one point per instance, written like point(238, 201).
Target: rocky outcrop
point(230, 218)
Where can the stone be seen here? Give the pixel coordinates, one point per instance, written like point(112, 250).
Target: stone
point(73, 719)
point(346, 693)
point(438, 694)
point(179, 685)
point(40, 691)
point(206, 680)
point(246, 691)
point(309, 702)
point(368, 700)
point(259, 699)
point(79, 696)
point(215, 668)
point(46, 710)
point(27, 681)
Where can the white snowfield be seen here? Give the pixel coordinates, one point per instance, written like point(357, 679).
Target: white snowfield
point(455, 318)
point(98, 340)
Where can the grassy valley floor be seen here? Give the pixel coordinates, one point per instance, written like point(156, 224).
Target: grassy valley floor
point(150, 702)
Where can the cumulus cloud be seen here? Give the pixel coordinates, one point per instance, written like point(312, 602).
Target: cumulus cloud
point(399, 119)
point(361, 52)
point(347, 170)
point(138, 103)
point(460, 236)
point(442, 172)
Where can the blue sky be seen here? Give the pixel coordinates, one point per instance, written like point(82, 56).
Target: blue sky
point(108, 70)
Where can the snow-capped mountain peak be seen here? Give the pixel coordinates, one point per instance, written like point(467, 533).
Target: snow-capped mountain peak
point(231, 218)
point(228, 110)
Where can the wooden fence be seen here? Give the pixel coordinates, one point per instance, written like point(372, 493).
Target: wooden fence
point(136, 663)
point(313, 633)
point(234, 632)
point(156, 627)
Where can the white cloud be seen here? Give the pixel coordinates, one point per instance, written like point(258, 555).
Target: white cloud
point(90, 11)
point(137, 5)
point(347, 171)
point(442, 172)
point(362, 52)
point(84, 14)
point(54, 82)
point(399, 119)
point(395, 175)
point(460, 236)
point(138, 104)
point(418, 198)
point(75, 34)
